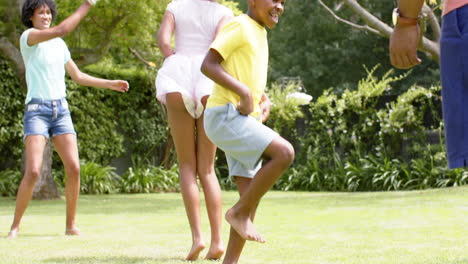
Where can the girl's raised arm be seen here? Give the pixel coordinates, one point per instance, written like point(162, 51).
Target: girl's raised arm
point(65, 27)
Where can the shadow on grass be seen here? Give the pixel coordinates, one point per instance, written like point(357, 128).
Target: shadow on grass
point(110, 259)
point(38, 236)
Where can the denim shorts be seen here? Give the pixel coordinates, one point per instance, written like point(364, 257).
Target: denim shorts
point(48, 118)
point(242, 138)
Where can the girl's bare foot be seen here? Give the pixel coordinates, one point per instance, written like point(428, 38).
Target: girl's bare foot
point(215, 252)
point(13, 233)
point(195, 251)
point(243, 226)
point(73, 231)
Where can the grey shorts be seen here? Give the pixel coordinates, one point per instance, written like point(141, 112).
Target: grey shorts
point(242, 138)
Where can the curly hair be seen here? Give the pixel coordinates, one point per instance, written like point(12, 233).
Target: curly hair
point(30, 5)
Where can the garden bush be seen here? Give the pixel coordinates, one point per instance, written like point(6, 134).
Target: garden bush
point(97, 179)
point(133, 123)
point(139, 118)
point(149, 179)
point(9, 182)
point(11, 120)
point(363, 140)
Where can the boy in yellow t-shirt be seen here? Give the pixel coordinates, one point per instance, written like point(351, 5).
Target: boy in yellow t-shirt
point(238, 61)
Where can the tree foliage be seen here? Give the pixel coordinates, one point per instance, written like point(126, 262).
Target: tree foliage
point(112, 27)
point(11, 121)
point(310, 43)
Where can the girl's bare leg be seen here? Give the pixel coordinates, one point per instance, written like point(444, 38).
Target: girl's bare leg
point(182, 127)
point(67, 148)
point(34, 147)
point(206, 151)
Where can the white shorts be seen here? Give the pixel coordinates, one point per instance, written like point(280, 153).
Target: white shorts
point(182, 74)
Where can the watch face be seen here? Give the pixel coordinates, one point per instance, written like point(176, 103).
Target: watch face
point(395, 16)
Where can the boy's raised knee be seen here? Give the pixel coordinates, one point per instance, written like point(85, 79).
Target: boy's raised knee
point(283, 153)
point(287, 153)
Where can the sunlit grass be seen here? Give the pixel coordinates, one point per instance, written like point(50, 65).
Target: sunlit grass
point(419, 227)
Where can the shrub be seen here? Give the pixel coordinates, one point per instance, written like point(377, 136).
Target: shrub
point(369, 140)
point(94, 178)
point(284, 110)
point(9, 182)
point(137, 118)
point(97, 179)
point(149, 179)
point(11, 120)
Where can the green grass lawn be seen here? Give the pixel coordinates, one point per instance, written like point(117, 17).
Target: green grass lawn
point(424, 227)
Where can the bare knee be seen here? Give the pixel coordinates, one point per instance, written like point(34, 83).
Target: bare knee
point(32, 175)
point(285, 154)
point(205, 171)
point(73, 171)
point(187, 167)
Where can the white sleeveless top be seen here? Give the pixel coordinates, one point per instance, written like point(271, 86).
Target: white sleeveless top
point(196, 22)
point(195, 27)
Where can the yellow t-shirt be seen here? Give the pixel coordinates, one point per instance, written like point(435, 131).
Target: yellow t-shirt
point(244, 47)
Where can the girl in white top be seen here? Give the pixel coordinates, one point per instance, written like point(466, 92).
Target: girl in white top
point(182, 87)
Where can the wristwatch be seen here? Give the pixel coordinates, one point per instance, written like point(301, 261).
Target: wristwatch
point(403, 21)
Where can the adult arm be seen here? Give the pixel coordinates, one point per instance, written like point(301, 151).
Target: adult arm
point(84, 79)
point(404, 40)
point(212, 68)
point(165, 34)
point(65, 27)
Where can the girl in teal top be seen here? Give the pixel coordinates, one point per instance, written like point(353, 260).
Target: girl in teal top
point(46, 58)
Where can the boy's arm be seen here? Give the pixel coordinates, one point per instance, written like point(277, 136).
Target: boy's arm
point(84, 79)
point(404, 40)
point(65, 27)
point(212, 68)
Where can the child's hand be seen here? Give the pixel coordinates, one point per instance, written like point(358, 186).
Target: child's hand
point(92, 2)
point(245, 106)
point(119, 86)
point(265, 106)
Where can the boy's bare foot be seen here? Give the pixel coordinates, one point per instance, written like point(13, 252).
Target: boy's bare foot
point(215, 252)
point(13, 233)
point(73, 231)
point(195, 251)
point(243, 226)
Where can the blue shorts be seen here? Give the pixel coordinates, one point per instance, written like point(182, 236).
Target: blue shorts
point(454, 79)
point(48, 118)
point(242, 138)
